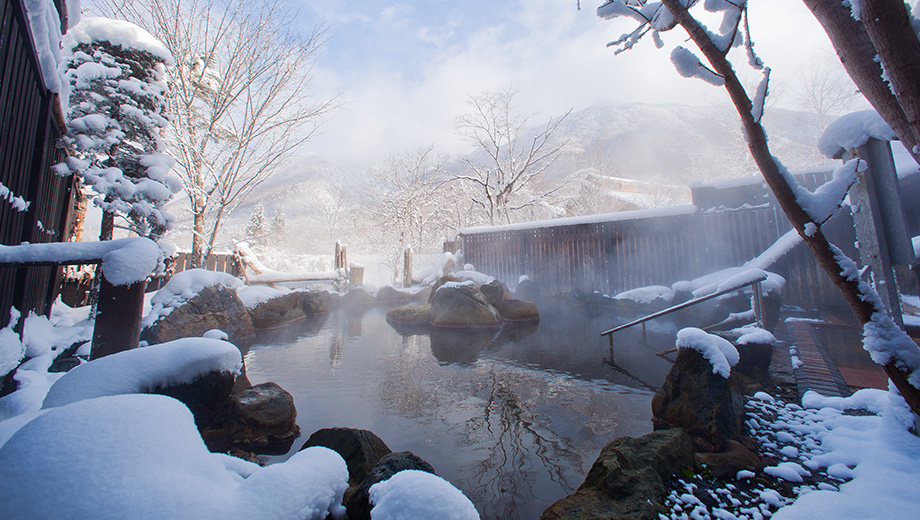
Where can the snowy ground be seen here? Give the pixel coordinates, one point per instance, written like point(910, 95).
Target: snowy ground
point(850, 458)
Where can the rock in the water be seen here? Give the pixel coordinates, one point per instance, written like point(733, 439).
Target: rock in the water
point(315, 303)
point(388, 295)
point(358, 299)
point(358, 505)
point(462, 306)
point(361, 449)
point(441, 281)
point(494, 292)
point(278, 312)
point(518, 310)
point(706, 405)
point(215, 307)
point(260, 419)
point(410, 315)
point(627, 481)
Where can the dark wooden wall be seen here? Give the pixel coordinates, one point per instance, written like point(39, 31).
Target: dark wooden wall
point(636, 249)
point(28, 135)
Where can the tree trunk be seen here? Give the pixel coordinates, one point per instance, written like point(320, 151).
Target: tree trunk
point(857, 53)
point(890, 30)
point(197, 238)
point(107, 226)
point(757, 144)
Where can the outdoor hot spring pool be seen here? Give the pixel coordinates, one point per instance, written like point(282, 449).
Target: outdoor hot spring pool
point(514, 418)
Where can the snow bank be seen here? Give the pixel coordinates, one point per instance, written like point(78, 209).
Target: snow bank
point(117, 32)
point(124, 261)
point(418, 494)
point(140, 456)
point(877, 451)
point(718, 351)
point(184, 286)
point(852, 131)
point(144, 369)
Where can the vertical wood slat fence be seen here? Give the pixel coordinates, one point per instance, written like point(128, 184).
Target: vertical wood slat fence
point(28, 134)
point(636, 249)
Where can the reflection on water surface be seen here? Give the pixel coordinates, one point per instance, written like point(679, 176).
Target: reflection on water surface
point(514, 419)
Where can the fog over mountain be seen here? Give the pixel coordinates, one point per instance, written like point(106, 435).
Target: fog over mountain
point(662, 148)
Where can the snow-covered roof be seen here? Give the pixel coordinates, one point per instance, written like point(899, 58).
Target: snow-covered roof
point(587, 219)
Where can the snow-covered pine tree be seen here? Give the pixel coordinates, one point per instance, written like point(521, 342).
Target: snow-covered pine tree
point(256, 228)
point(279, 222)
point(116, 115)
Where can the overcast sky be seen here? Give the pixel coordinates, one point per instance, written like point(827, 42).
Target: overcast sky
point(405, 68)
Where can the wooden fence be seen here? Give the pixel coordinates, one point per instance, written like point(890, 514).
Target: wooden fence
point(28, 135)
point(657, 247)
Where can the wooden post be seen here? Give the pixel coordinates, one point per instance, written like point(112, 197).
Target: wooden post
point(879, 220)
point(118, 318)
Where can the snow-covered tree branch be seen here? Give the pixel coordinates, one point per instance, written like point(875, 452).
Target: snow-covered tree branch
point(240, 96)
point(513, 157)
point(900, 360)
point(116, 114)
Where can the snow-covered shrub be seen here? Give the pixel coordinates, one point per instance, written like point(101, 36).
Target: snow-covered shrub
point(115, 118)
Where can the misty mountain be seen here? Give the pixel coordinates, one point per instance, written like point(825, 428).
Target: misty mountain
point(663, 145)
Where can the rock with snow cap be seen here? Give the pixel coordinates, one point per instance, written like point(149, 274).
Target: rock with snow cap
point(214, 307)
point(361, 449)
point(462, 305)
point(279, 311)
point(358, 506)
point(698, 394)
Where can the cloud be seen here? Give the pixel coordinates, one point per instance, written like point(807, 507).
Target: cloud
point(409, 69)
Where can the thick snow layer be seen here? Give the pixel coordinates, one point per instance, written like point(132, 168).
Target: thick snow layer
point(720, 353)
point(886, 342)
point(140, 456)
point(184, 286)
point(117, 32)
point(752, 334)
point(777, 250)
point(255, 294)
point(418, 494)
point(473, 276)
point(46, 35)
point(852, 131)
point(734, 277)
point(124, 261)
point(646, 295)
point(144, 369)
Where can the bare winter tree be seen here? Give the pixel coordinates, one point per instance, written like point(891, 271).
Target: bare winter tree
point(889, 345)
point(826, 90)
point(239, 97)
point(514, 158)
point(878, 45)
point(405, 198)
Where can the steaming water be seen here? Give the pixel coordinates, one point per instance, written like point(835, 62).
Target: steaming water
point(514, 419)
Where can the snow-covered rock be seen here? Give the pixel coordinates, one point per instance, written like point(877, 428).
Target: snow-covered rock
point(140, 456)
point(145, 369)
point(419, 494)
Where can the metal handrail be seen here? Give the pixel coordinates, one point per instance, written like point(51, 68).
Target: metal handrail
point(758, 307)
